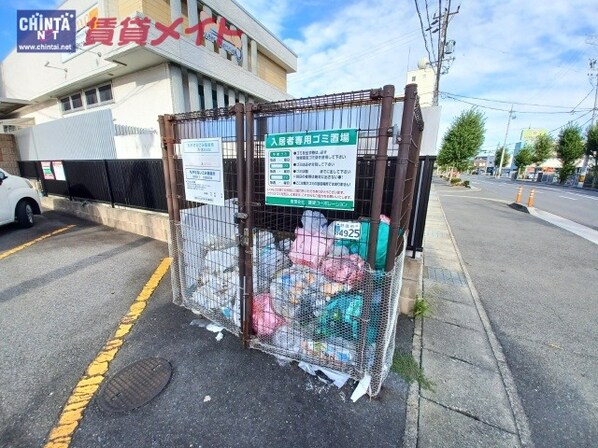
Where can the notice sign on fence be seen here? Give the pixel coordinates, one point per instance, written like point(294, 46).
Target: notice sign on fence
point(202, 170)
point(47, 170)
point(312, 169)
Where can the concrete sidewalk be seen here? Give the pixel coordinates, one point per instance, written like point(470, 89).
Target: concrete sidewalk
point(474, 401)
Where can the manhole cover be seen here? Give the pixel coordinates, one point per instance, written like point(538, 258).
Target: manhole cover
point(135, 385)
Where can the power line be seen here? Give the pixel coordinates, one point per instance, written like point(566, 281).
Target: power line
point(573, 121)
point(584, 98)
point(421, 25)
point(516, 102)
point(449, 96)
point(332, 64)
point(429, 28)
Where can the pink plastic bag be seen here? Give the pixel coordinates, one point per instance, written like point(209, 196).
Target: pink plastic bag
point(265, 319)
point(309, 249)
point(347, 269)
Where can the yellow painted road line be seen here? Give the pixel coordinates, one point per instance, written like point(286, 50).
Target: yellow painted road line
point(37, 240)
point(72, 413)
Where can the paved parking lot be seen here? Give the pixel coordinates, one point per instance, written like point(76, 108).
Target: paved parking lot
point(63, 297)
point(60, 300)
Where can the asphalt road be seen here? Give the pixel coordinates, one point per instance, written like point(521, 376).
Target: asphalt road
point(60, 300)
point(537, 283)
point(576, 204)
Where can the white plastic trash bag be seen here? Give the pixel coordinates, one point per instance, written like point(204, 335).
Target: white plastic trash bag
point(219, 292)
point(220, 260)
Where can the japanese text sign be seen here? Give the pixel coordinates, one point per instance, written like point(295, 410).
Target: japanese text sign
point(203, 171)
point(312, 169)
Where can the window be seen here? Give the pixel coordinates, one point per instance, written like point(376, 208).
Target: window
point(66, 104)
point(76, 101)
point(202, 102)
point(71, 103)
point(413, 79)
point(105, 93)
point(93, 96)
point(214, 98)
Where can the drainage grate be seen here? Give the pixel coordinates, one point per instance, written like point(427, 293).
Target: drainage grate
point(135, 385)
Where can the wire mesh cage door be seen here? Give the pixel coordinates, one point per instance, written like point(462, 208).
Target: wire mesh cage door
point(321, 281)
point(204, 171)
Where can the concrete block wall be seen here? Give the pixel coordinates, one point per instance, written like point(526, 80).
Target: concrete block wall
point(151, 224)
point(9, 154)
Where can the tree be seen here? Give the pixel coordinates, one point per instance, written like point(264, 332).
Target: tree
point(592, 151)
point(524, 158)
point(505, 160)
point(569, 149)
point(543, 148)
point(462, 140)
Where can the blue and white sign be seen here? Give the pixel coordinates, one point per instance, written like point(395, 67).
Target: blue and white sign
point(203, 170)
point(46, 31)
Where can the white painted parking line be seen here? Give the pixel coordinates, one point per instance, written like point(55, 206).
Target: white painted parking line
point(567, 197)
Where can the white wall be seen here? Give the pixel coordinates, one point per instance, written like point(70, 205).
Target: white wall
point(138, 146)
point(426, 81)
point(141, 96)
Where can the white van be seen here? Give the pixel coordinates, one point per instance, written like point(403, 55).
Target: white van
point(19, 200)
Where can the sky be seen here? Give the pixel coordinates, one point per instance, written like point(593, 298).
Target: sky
point(530, 55)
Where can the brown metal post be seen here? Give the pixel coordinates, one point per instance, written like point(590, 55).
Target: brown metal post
point(396, 214)
point(173, 207)
point(248, 235)
point(413, 163)
point(165, 167)
point(169, 138)
point(384, 132)
point(239, 111)
point(401, 173)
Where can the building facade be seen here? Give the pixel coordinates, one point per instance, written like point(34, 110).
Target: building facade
point(103, 100)
point(425, 78)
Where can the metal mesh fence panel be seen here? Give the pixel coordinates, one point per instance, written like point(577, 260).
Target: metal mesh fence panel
point(206, 244)
point(309, 282)
point(310, 285)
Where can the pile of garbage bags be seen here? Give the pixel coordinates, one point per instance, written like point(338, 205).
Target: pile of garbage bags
point(308, 290)
point(315, 299)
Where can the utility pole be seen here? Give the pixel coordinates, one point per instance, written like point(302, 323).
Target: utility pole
point(443, 22)
point(586, 160)
point(594, 75)
point(502, 153)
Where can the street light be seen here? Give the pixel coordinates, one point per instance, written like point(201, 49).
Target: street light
point(502, 153)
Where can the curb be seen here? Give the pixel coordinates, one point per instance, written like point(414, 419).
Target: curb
point(411, 434)
point(519, 416)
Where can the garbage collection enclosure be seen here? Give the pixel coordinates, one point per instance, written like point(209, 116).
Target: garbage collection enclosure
point(288, 222)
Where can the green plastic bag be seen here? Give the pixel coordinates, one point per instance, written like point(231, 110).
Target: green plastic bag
point(361, 247)
point(341, 317)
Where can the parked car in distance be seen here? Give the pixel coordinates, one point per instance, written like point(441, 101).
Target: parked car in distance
point(19, 200)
